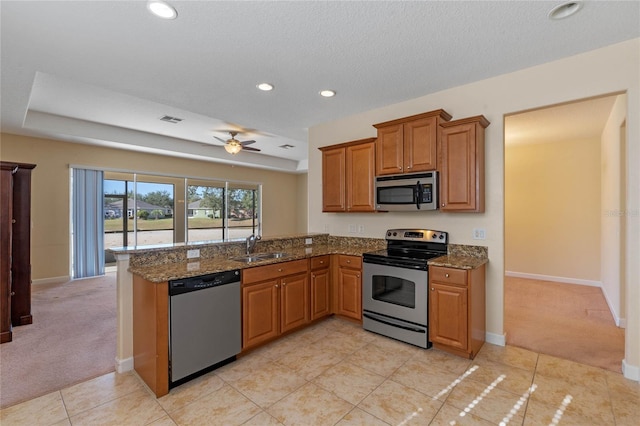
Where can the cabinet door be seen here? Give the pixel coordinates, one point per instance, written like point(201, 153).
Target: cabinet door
point(389, 156)
point(360, 177)
point(462, 168)
point(6, 209)
point(420, 145)
point(294, 302)
point(349, 290)
point(320, 302)
point(448, 315)
point(333, 180)
point(259, 312)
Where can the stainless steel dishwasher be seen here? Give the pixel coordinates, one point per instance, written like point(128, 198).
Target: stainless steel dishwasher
point(205, 325)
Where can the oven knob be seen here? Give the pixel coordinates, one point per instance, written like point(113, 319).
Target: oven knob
point(395, 234)
point(441, 236)
point(434, 236)
point(388, 234)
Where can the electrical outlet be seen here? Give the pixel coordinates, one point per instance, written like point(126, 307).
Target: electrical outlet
point(479, 233)
point(326, 227)
point(360, 229)
point(308, 241)
point(352, 228)
point(193, 253)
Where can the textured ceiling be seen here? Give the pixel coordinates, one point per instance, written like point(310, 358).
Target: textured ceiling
point(105, 72)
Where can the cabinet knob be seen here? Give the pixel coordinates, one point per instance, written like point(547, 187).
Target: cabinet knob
point(283, 284)
point(399, 167)
point(348, 261)
point(442, 205)
point(277, 286)
point(279, 269)
point(13, 293)
point(432, 289)
point(408, 167)
point(358, 276)
point(313, 276)
point(321, 262)
point(446, 275)
point(13, 221)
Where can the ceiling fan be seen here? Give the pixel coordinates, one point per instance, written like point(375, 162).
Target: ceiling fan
point(234, 146)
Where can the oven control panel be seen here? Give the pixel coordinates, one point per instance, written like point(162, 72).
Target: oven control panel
point(423, 235)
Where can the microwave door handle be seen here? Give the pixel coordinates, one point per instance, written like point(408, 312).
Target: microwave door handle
point(417, 192)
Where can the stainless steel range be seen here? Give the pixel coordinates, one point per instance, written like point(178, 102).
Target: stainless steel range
point(395, 296)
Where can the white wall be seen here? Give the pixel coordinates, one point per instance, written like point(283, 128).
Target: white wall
point(552, 210)
point(612, 69)
point(614, 213)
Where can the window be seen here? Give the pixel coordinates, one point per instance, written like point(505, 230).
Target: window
point(151, 209)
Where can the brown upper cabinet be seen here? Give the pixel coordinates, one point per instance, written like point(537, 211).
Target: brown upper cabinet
point(348, 176)
point(409, 144)
point(461, 148)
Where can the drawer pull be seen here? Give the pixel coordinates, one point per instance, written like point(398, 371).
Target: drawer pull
point(280, 270)
point(432, 289)
point(348, 261)
point(446, 275)
point(277, 286)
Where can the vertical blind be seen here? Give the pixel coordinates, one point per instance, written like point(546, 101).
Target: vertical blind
point(88, 223)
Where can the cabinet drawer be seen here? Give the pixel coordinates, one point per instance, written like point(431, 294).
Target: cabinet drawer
point(448, 275)
point(345, 261)
point(320, 262)
point(267, 272)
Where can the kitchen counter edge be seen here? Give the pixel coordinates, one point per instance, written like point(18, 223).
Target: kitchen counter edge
point(458, 262)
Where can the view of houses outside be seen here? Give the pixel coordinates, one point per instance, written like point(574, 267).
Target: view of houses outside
point(153, 206)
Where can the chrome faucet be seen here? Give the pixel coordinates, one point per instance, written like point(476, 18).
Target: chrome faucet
point(251, 242)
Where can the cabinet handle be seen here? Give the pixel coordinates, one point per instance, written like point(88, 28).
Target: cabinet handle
point(446, 275)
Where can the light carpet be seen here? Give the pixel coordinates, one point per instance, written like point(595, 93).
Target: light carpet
point(564, 320)
point(72, 339)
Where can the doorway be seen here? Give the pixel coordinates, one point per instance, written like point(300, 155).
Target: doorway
point(561, 164)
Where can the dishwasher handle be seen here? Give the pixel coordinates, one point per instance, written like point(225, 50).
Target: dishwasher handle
point(189, 284)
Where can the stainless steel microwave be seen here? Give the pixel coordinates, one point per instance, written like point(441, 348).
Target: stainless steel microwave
point(407, 192)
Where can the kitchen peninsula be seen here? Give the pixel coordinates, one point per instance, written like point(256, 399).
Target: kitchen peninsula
point(314, 275)
point(161, 263)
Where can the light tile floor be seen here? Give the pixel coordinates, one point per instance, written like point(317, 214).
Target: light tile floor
point(335, 373)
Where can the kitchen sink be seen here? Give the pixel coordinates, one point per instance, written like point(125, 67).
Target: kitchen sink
point(259, 256)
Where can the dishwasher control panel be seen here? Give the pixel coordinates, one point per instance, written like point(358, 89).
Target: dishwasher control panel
point(200, 282)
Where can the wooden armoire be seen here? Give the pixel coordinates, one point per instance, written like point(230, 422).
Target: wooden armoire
point(15, 247)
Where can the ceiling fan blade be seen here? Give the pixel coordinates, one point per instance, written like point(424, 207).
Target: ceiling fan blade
point(245, 143)
point(248, 148)
point(221, 140)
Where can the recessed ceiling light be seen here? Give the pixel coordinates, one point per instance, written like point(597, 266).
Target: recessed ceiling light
point(266, 87)
point(327, 93)
point(162, 9)
point(565, 10)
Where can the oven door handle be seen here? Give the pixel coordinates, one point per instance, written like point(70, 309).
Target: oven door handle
point(406, 327)
point(417, 194)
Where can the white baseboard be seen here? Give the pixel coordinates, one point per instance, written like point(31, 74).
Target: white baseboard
point(620, 322)
point(564, 280)
point(124, 365)
point(631, 372)
point(52, 280)
point(495, 339)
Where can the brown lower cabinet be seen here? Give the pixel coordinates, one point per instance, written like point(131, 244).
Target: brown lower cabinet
point(457, 309)
point(151, 333)
point(275, 299)
point(348, 286)
point(320, 287)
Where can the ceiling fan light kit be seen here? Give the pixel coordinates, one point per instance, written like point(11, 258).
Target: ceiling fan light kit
point(162, 9)
point(234, 146)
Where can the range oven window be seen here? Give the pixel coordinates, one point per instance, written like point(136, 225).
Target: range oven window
point(394, 290)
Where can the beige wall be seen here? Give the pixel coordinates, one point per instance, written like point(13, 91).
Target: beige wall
point(614, 212)
point(613, 69)
point(552, 210)
point(50, 190)
point(302, 204)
